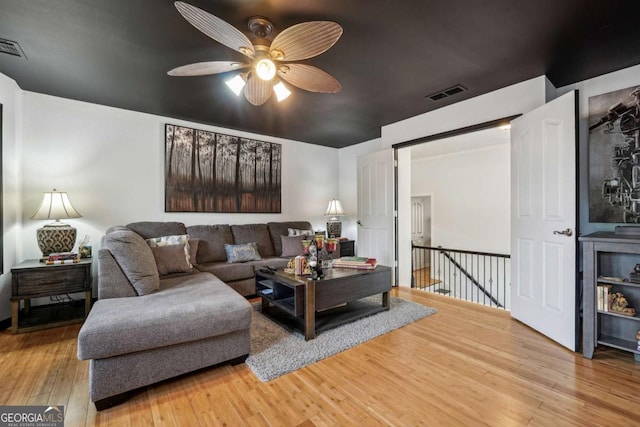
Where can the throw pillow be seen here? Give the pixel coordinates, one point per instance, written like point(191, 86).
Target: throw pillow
point(170, 259)
point(194, 244)
point(297, 232)
point(292, 245)
point(178, 239)
point(135, 258)
point(242, 253)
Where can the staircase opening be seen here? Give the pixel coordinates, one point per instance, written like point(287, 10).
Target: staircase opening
point(466, 179)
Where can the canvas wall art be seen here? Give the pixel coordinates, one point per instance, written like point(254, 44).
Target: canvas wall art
point(212, 172)
point(614, 156)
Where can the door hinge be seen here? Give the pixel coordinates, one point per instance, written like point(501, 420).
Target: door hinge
point(395, 214)
point(395, 163)
point(395, 263)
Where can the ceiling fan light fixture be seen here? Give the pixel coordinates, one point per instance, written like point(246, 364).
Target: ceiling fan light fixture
point(265, 69)
point(281, 91)
point(236, 84)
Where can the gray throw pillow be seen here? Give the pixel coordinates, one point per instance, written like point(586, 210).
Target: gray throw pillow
point(292, 245)
point(135, 258)
point(170, 259)
point(242, 253)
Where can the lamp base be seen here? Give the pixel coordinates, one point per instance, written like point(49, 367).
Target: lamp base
point(334, 228)
point(56, 237)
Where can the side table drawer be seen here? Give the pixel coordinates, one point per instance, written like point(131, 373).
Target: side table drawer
point(347, 248)
point(50, 281)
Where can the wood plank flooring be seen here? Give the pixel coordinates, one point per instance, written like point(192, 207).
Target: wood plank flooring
point(423, 278)
point(465, 365)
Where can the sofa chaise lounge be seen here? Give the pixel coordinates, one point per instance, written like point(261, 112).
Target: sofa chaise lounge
point(157, 317)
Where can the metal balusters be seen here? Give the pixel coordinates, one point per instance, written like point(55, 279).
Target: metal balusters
point(467, 275)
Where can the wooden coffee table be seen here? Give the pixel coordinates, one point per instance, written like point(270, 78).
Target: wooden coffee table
point(317, 305)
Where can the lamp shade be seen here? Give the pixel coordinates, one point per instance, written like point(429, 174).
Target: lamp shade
point(55, 205)
point(56, 236)
point(335, 208)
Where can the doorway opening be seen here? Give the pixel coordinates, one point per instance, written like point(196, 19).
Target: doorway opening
point(464, 181)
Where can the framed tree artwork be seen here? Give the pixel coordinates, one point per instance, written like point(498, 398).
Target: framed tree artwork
point(213, 172)
point(614, 156)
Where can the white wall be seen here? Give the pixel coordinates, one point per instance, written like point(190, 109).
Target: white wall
point(111, 162)
point(10, 100)
point(508, 101)
point(470, 198)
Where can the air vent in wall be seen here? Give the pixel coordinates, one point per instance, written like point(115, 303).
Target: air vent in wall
point(446, 93)
point(11, 48)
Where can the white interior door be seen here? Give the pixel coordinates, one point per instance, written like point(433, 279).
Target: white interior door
point(418, 230)
point(375, 207)
point(417, 221)
point(543, 205)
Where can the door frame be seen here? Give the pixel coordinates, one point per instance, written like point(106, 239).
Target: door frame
point(505, 121)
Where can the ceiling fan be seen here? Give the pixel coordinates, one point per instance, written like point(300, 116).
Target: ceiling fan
point(269, 62)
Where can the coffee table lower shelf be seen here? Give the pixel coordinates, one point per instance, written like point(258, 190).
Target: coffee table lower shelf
point(327, 319)
point(314, 306)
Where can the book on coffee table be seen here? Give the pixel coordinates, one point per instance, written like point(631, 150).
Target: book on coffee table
point(362, 263)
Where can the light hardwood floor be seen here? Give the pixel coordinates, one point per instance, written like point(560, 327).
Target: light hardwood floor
point(465, 365)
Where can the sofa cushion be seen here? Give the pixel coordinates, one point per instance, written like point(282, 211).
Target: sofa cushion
point(292, 245)
point(277, 229)
point(150, 229)
point(186, 309)
point(258, 233)
point(170, 259)
point(212, 239)
point(134, 257)
point(242, 253)
point(274, 262)
point(228, 272)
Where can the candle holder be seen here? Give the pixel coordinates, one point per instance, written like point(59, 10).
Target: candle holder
point(313, 251)
point(332, 244)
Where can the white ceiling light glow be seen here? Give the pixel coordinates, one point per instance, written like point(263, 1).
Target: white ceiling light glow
point(281, 91)
point(266, 69)
point(236, 84)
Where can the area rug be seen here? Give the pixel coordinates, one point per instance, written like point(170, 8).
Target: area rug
point(277, 350)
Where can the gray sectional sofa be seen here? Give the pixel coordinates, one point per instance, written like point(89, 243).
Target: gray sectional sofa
point(148, 326)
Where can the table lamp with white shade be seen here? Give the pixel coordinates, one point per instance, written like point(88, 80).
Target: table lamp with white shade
point(334, 210)
point(56, 236)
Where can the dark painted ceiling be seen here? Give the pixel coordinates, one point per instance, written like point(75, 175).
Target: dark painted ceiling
point(391, 55)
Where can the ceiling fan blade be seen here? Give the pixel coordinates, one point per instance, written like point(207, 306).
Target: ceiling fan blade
point(305, 40)
point(206, 68)
point(257, 91)
point(216, 28)
point(309, 78)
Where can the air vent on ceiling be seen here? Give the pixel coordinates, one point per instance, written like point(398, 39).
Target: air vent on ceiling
point(446, 93)
point(11, 48)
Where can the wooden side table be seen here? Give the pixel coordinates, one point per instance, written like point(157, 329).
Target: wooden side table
point(347, 248)
point(34, 279)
